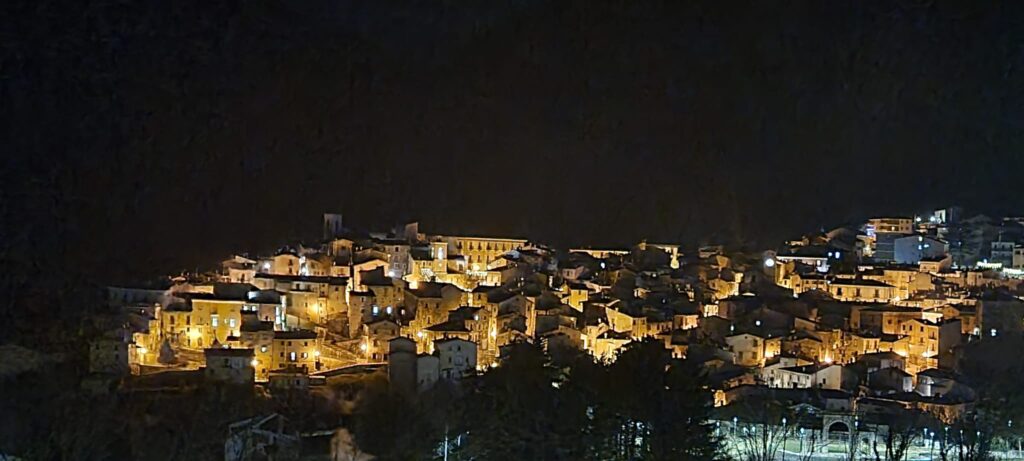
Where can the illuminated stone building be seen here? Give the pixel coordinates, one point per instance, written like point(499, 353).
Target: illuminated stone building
point(881, 319)
point(479, 251)
point(476, 324)
point(457, 357)
point(259, 337)
point(929, 340)
point(455, 328)
point(360, 310)
point(202, 319)
point(576, 294)
point(861, 290)
point(313, 299)
point(387, 292)
point(747, 349)
point(239, 269)
point(295, 349)
point(429, 304)
point(906, 281)
point(397, 256)
point(967, 315)
point(376, 336)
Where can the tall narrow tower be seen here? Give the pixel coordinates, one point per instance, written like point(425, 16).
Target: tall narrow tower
point(332, 225)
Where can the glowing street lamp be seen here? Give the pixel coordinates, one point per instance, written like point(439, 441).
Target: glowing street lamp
point(783, 438)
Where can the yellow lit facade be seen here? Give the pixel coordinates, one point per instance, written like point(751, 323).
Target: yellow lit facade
point(892, 225)
point(201, 322)
point(748, 350)
point(222, 318)
point(577, 295)
point(260, 338)
point(479, 251)
point(881, 319)
point(376, 336)
point(861, 291)
point(606, 345)
point(314, 299)
point(285, 264)
point(299, 349)
point(857, 345)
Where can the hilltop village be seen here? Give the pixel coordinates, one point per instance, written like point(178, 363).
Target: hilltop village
point(887, 317)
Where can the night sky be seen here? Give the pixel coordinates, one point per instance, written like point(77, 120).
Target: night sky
point(146, 138)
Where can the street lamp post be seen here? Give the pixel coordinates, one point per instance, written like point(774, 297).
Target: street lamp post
point(960, 444)
point(945, 438)
point(1009, 433)
point(853, 437)
point(783, 438)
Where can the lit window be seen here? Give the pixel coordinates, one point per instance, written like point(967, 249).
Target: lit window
point(213, 321)
point(231, 323)
point(291, 356)
point(376, 310)
point(263, 348)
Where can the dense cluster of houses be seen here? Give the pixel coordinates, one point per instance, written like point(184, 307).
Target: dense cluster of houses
point(871, 314)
